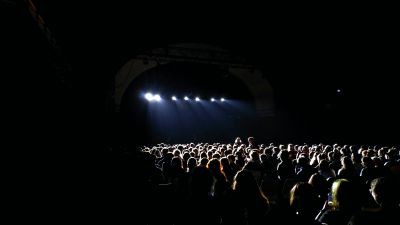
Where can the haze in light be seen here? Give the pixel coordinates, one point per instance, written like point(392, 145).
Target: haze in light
point(148, 97)
point(157, 97)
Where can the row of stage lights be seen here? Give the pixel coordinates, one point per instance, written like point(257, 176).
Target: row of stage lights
point(157, 98)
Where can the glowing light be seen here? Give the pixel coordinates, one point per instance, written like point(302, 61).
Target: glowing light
point(157, 98)
point(149, 96)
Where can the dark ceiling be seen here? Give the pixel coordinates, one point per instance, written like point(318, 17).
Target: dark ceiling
point(305, 57)
point(62, 126)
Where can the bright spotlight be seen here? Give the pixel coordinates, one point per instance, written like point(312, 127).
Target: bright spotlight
point(197, 99)
point(222, 99)
point(149, 96)
point(186, 98)
point(157, 98)
point(213, 99)
point(174, 98)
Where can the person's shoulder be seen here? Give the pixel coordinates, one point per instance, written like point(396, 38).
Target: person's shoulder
point(366, 217)
point(329, 215)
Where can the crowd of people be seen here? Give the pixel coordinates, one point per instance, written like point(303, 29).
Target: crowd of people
point(249, 183)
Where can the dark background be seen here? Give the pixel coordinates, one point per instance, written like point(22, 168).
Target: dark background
point(58, 117)
point(306, 59)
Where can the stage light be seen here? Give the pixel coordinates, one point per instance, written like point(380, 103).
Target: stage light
point(149, 96)
point(157, 98)
point(338, 90)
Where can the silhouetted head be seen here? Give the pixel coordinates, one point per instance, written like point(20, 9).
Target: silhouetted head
point(303, 198)
point(319, 183)
point(344, 195)
point(201, 181)
point(385, 191)
point(284, 155)
point(347, 163)
point(214, 165)
point(244, 181)
point(176, 162)
point(254, 155)
point(192, 163)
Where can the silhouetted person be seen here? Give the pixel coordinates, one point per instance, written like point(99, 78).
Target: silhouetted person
point(238, 141)
point(166, 167)
point(201, 206)
point(386, 193)
point(324, 169)
point(303, 204)
point(303, 168)
point(220, 184)
point(368, 172)
point(335, 161)
point(254, 165)
point(285, 167)
point(321, 188)
point(203, 162)
point(246, 204)
point(252, 143)
point(345, 204)
point(393, 164)
point(347, 171)
point(235, 168)
point(227, 170)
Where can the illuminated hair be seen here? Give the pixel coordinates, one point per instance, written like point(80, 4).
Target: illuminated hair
point(344, 196)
